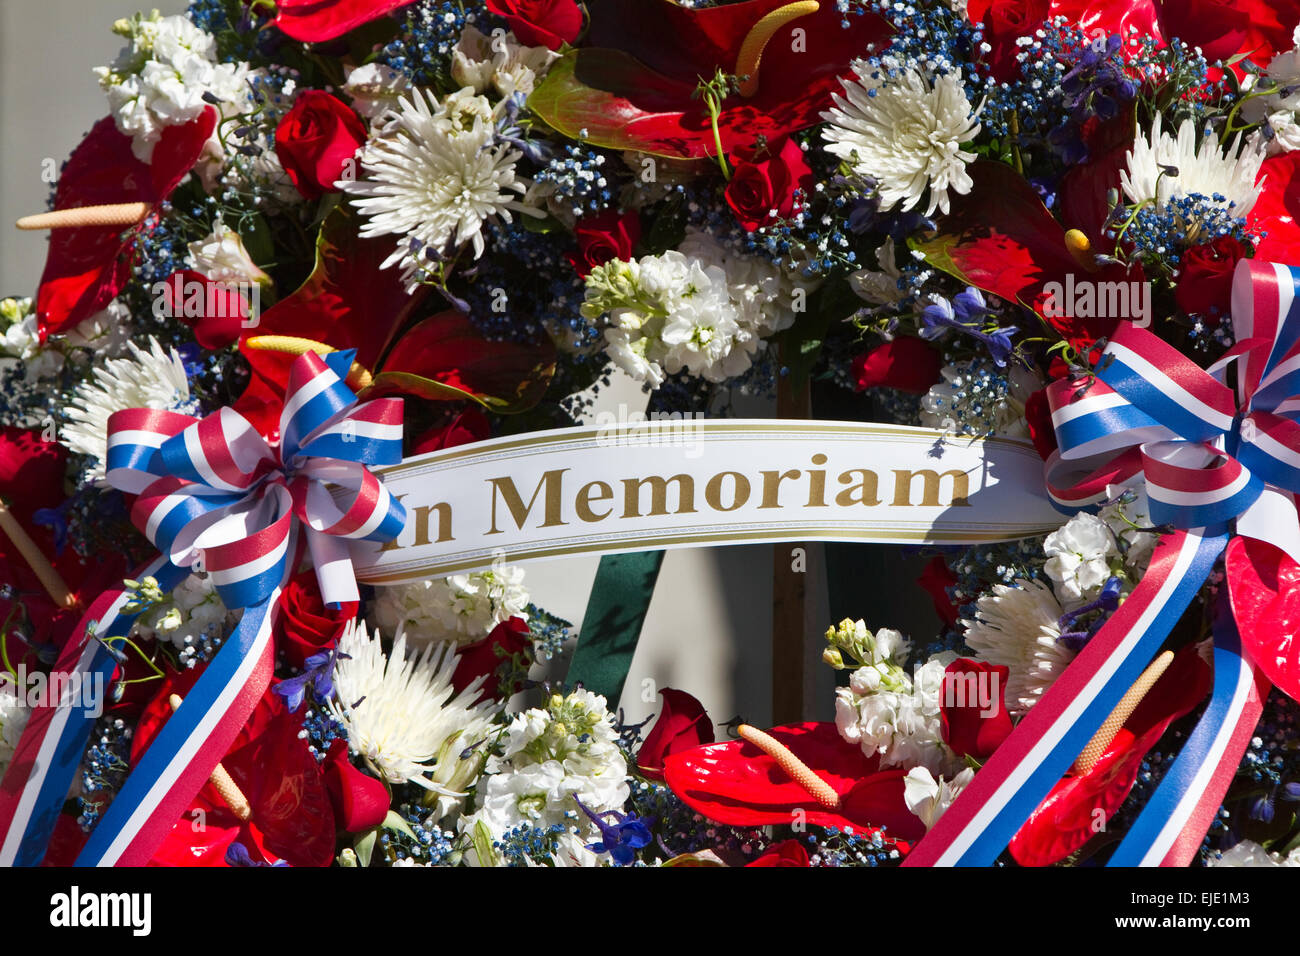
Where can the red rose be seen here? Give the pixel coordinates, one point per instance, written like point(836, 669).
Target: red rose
point(317, 140)
point(547, 23)
point(471, 425)
point(214, 310)
point(785, 853)
point(682, 724)
point(1205, 284)
point(1004, 22)
point(908, 364)
point(609, 235)
point(305, 626)
point(757, 188)
point(484, 657)
point(360, 801)
point(935, 580)
point(972, 710)
point(1038, 418)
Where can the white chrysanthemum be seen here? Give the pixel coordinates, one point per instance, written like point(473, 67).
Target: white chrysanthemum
point(403, 715)
point(461, 608)
point(152, 379)
point(904, 132)
point(430, 181)
point(160, 77)
point(13, 719)
point(552, 755)
point(700, 308)
point(1018, 627)
point(1162, 167)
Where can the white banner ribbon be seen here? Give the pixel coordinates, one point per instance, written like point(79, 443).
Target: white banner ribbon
point(679, 484)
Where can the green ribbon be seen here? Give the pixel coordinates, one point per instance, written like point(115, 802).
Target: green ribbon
point(620, 598)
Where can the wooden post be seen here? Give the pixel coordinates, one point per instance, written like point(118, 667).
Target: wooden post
point(788, 593)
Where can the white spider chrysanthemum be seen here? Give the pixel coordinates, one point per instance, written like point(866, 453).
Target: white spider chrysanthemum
point(1018, 627)
point(404, 716)
point(145, 379)
point(904, 132)
point(1162, 167)
point(432, 180)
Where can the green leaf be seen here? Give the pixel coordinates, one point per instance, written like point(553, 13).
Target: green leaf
point(394, 821)
point(481, 837)
point(364, 845)
point(801, 344)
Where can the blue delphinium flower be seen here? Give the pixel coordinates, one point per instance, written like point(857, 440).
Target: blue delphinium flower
point(966, 313)
point(620, 839)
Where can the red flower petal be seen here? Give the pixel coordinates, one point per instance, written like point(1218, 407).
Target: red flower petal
point(683, 723)
point(785, 853)
point(1264, 586)
point(312, 21)
point(360, 801)
point(907, 363)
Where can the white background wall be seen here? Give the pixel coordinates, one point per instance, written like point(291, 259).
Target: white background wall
point(709, 627)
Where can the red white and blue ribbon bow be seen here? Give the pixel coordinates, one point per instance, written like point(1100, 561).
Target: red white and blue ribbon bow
point(1216, 466)
point(212, 494)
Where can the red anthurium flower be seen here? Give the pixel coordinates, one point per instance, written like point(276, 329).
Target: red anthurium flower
point(683, 723)
point(1277, 211)
point(907, 363)
point(972, 709)
point(292, 816)
point(1005, 21)
point(548, 23)
point(482, 658)
point(305, 626)
point(763, 189)
point(1101, 18)
point(88, 265)
point(1264, 584)
point(1071, 814)
point(633, 86)
point(935, 580)
point(605, 236)
point(738, 784)
point(313, 21)
point(316, 140)
point(216, 311)
point(785, 853)
point(1224, 28)
point(360, 801)
point(31, 472)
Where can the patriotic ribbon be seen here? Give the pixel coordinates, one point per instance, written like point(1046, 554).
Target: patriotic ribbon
point(214, 496)
point(1210, 463)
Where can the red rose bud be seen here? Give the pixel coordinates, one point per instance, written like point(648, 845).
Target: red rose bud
point(547, 23)
point(317, 141)
point(218, 312)
point(360, 801)
point(972, 712)
point(1038, 418)
point(1205, 283)
point(305, 626)
point(484, 657)
point(758, 188)
point(785, 853)
point(600, 238)
point(468, 426)
point(935, 580)
point(1004, 22)
point(908, 364)
point(683, 723)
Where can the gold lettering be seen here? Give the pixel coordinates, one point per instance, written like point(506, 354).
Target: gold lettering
point(658, 495)
point(867, 489)
point(930, 490)
point(586, 495)
point(713, 491)
point(551, 483)
point(422, 522)
point(772, 486)
point(817, 483)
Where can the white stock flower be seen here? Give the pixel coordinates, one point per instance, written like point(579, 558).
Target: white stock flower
point(1018, 627)
point(1250, 853)
point(152, 379)
point(500, 63)
point(1079, 556)
point(432, 183)
point(461, 608)
point(928, 798)
point(904, 132)
point(191, 614)
point(1162, 167)
point(403, 714)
